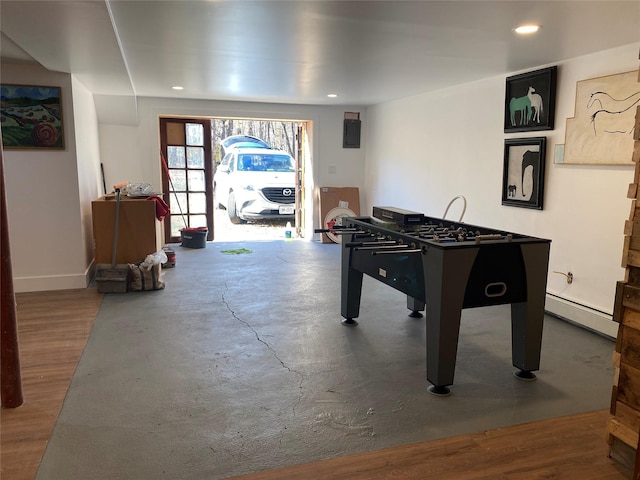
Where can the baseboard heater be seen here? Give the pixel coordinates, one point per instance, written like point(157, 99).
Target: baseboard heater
point(587, 317)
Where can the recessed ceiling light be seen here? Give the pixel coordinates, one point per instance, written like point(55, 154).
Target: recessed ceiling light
point(177, 87)
point(332, 95)
point(527, 29)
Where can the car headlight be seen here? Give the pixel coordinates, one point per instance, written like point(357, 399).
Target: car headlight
point(248, 187)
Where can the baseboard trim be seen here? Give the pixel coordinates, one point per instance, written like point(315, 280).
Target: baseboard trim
point(54, 282)
point(582, 315)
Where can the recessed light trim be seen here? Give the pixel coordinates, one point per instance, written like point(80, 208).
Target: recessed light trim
point(527, 29)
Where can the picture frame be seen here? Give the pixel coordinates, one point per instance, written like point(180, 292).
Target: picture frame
point(523, 172)
point(530, 101)
point(601, 130)
point(31, 117)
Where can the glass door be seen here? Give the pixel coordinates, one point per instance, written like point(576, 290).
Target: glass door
point(187, 175)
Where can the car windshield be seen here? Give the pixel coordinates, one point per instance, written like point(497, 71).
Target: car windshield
point(258, 162)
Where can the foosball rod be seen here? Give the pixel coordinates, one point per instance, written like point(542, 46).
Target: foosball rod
point(339, 231)
point(370, 244)
point(396, 252)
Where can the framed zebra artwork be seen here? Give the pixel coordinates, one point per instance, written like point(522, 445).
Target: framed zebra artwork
point(530, 101)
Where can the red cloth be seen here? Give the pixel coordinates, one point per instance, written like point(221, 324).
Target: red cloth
point(162, 209)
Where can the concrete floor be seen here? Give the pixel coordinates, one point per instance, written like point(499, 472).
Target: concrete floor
point(241, 364)
point(259, 230)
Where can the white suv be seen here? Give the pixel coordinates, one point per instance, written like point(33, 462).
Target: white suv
point(254, 181)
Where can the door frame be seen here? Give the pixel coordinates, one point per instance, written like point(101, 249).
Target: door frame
point(167, 184)
point(302, 158)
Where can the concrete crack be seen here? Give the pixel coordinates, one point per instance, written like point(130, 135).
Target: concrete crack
point(255, 332)
point(275, 355)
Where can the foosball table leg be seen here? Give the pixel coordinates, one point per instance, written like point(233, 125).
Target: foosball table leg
point(415, 306)
point(445, 279)
point(351, 287)
point(527, 318)
point(526, 375)
point(439, 391)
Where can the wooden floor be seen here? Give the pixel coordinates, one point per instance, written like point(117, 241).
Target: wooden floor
point(53, 329)
point(565, 448)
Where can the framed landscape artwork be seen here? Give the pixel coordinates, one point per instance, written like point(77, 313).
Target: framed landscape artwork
point(530, 101)
point(31, 117)
point(523, 174)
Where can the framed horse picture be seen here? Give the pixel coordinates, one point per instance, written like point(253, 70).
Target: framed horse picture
point(523, 174)
point(530, 101)
point(601, 130)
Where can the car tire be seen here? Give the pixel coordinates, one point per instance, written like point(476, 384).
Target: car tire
point(231, 210)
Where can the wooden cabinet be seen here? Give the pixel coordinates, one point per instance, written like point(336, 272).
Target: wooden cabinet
point(139, 232)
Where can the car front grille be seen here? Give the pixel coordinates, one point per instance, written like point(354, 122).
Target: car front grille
point(280, 195)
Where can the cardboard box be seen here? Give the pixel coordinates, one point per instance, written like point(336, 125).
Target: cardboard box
point(335, 203)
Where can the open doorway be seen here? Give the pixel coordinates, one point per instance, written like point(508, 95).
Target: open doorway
point(239, 191)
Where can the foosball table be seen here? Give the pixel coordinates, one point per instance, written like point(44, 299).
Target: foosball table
point(443, 267)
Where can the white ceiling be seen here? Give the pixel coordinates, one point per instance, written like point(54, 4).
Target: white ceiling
point(299, 51)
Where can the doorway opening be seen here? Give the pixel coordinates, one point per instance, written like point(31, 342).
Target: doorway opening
point(237, 192)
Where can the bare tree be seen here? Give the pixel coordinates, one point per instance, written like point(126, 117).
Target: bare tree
point(287, 140)
point(279, 135)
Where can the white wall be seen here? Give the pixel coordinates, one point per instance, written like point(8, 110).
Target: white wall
point(88, 161)
point(132, 153)
point(46, 208)
point(424, 150)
